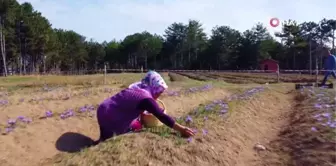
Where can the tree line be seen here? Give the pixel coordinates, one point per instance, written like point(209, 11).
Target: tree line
point(30, 44)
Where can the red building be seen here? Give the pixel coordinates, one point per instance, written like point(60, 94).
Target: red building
point(269, 64)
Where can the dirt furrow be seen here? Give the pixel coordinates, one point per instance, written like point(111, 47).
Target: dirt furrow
point(257, 121)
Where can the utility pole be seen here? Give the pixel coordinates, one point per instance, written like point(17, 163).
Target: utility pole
point(316, 70)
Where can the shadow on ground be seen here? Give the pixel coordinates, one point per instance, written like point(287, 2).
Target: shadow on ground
point(73, 142)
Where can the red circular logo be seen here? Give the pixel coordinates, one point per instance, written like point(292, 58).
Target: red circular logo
point(274, 22)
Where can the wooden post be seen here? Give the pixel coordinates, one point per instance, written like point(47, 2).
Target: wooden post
point(105, 74)
point(316, 75)
point(316, 71)
point(278, 73)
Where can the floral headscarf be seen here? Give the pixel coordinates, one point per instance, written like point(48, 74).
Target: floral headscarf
point(152, 82)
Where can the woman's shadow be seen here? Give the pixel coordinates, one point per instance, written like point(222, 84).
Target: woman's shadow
point(73, 142)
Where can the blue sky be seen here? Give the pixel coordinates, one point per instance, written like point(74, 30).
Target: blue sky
point(115, 19)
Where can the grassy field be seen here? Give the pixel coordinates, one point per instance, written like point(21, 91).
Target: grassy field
point(50, 120)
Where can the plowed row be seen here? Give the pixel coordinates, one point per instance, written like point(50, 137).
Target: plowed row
point(245, 78)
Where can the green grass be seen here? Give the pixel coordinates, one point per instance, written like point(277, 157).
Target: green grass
point(81, 80)
point(17, 79)
point(111, 147)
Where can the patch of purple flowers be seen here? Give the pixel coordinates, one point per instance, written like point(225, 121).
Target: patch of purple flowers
point(221, 106)
point(12, 123)
point(86, 108)
point(189, 90)
point(326, 115)
point(247, 94)
point(173, 93)
point(71, 112)
point(4, 102)
point(24, 119)
point(48, 114)
point(67, 114)
point(89, 109)
point(199, 89)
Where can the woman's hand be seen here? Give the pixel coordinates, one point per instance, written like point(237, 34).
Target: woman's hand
point(185, 131)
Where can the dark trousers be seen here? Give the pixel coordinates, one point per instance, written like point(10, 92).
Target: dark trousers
point(106, 131)
point(105, 126)
point(327, 74)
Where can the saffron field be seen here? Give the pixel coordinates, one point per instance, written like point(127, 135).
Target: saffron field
point(238, 118)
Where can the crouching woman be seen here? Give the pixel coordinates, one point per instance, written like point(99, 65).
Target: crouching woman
point(116, 114)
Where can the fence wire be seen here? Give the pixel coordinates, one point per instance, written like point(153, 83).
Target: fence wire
point(234, 76)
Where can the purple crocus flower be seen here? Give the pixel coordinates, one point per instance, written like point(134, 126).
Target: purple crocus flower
point(83, 109)
point(11, 121)
point(70, 113)
point(314, 129)
point(63, 116)
point(218, 102)
point(327, 114)
point(205, 132)
point(194, 130)
point(27, 120)
point(327, 105)
point(208, 107)
point(189, 139)
point(319, 106)
point(188, 119)
point(224, 105)
point(9, 129)
point(3, 102)
point(67, 114)
point(332, 125)
point(91, 108)
point(20, 118)
point(223, 111)
point(172, 93)
point(48, 114)
point(319, 118)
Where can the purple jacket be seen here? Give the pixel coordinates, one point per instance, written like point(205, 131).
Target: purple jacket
point(120, 110)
